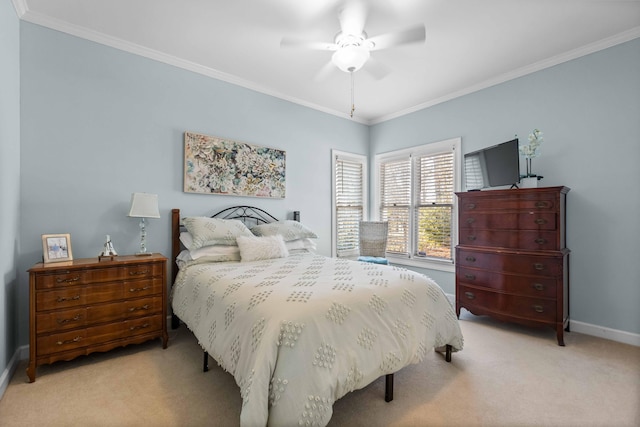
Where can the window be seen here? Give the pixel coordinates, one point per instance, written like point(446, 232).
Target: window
point(415, 193)
point(349, 201)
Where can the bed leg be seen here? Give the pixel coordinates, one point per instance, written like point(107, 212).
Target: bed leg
point(388, 388)
point(205, 362)
point(447, 350)
point(175, 321)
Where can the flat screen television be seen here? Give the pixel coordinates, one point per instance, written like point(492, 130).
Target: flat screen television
point(494, 166)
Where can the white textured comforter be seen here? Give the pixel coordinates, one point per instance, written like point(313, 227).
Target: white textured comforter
point(300, 332)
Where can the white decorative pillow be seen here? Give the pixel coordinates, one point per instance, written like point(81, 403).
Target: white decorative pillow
point(186, 238)
point(185, 258)
point(306, 244)
point(259, 248)
point(223, 252)
point(214, 231)
point(289, 230)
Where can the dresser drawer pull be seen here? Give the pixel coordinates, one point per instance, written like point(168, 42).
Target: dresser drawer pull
point(538, 286)
point(138, 273)
point(471, 206)
point(73, 279)
point(139, 289)
point(133, 328)
point(470, 276)
point(76, 339)
point(470, 295)
point(541, 221)
point(542, 204)
point(471, 258)
point(472, 238)
point(538, 308)
point(144, 307)
point(471, 220)
point(538, 266)
point(73, 298)
point(541, 241)
point(73, 319)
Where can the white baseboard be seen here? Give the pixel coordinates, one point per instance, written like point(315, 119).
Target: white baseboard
point(606, 333)
point(20, 354)
point(593, 330)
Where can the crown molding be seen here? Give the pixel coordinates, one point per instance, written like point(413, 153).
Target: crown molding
point(21, 7)
point(620, 38)
point(120, 44)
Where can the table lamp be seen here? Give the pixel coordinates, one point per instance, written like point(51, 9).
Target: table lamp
point(144, 205)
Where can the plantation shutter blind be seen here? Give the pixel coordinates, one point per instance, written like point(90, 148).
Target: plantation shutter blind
point(395, 203)
point(349, 204)
point(433, 216)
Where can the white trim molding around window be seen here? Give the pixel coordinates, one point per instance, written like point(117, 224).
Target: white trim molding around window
point(415, 191)
point(349, 201)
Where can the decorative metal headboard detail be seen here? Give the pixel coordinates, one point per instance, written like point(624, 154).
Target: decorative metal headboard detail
point(246, 214)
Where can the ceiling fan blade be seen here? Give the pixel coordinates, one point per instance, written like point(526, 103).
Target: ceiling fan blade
point(306, 44)
point(324, 72)
point(411, 35)
point(352, 17)
point(376, 69)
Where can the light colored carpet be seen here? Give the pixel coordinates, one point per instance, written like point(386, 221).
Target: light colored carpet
point(506, 376)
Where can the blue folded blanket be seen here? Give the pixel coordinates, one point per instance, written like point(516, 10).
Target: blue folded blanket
point(373, 259)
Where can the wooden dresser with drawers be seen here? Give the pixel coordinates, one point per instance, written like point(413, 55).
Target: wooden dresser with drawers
point(511, 261)
point(83, 306)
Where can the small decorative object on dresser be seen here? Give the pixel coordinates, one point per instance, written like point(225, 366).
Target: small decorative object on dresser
point(109, 252)
point(511, 261)
point(86, 306)
point(56, 248)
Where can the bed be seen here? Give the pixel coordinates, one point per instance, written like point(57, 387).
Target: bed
point(299, 330)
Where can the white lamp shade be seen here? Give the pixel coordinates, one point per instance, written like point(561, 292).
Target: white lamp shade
point(350, 58)
point(144, 205)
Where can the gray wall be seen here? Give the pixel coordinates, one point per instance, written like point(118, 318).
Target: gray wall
point(9, 180)
point(99, 124)
point(589, 111)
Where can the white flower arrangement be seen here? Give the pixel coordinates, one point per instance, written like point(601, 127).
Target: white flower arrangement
point(532, 149)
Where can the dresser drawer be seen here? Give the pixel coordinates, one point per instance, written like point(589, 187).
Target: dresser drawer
point(511, 200)
point(530, 220)
point(535, 265)
point(528, 308)
point(78, 296)
point(85, 337)
point(80, 317)
point(81, 276)
point(138, 288)
point(533, 286)
point(532, 240)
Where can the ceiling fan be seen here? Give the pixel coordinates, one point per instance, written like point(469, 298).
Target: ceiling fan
point(352, 46)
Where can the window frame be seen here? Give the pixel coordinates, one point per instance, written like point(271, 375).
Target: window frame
point(357, 158)
point(454, 144)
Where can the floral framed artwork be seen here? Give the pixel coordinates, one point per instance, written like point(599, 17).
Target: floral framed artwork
point(56, 248)
point(214, 165)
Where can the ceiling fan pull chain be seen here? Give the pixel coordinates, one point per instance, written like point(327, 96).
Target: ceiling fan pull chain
point(353, 106)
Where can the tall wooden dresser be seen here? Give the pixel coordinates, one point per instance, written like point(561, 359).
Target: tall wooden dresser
point(511, 261)
point(83, 306)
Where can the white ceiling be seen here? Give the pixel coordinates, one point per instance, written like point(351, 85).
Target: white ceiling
point(470, 44)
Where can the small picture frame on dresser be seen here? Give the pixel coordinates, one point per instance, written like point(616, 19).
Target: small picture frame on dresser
point(56, 248)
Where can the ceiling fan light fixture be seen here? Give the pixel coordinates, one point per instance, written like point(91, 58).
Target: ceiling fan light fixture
point(350, 58)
